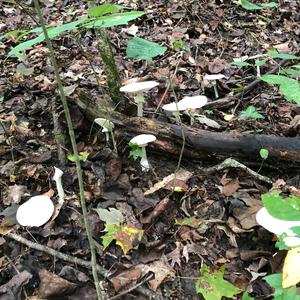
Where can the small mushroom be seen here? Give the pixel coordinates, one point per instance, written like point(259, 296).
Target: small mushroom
point(275, 225)
point(142, 141)
point(36, 211)
point(138, 89)
point(107, 127)
point(192, 103)
point(213, 78)
point(175, 109)
point(57, 178)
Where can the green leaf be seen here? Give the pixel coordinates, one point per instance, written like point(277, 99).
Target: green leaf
point(269, 5)
point(275, 281)
point(101, 10)
point(259, 63)
point(52, 32)
point(82, 156)
point(283, 209)
point(264, 153)
point(291, 91)
point(1, 99)
point(275, 54)
point(143, 49)
point(250, 113)
point(289, 71)
point(110, 215)
point(212, 286)
point(110, 235)
point(241, 64)
point(249, 5)
point(114, 20)
point(276, 79)
point(246, 296)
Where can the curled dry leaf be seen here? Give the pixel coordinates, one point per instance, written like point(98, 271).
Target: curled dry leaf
point(157, 211)
point(52, 285)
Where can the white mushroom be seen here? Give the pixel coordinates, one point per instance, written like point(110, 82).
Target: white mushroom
point(57, 178)
point(142, 141)
point(213, 78)
point(175, 109)
point(107, 127)
point(192, 103)
point(138, 88)
point(36, 211)
point(275, 225)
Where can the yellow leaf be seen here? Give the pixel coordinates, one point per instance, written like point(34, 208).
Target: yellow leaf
point(291, 268)
point(228, 117)
point(127, 237)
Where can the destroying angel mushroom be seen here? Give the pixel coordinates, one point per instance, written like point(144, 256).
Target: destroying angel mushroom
point(213, 78)
point(142, 141)
point(175, 109)
point(39, 209)
point(278, 227)
point(138, 89)
point(107, 128)
point(191, 104)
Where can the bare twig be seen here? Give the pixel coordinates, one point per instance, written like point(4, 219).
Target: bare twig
point(78, 261)
point(232, 163)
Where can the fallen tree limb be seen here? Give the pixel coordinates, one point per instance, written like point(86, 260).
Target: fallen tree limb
point(199, 143)
point(77, 261)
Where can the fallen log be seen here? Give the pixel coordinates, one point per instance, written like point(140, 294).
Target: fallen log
point(199, 143)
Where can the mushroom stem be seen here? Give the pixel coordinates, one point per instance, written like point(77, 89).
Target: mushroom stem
point(106, 136)
point(191, 113)
point(214, 83)
point(114, 142)
point(144, 160)
point(57, 178)
point(139, 100)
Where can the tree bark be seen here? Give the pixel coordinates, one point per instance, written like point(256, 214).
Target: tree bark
point(199, 143)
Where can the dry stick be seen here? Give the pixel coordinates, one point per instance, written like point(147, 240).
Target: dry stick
point(232, 163)
point(77, 261)
point(74, 147)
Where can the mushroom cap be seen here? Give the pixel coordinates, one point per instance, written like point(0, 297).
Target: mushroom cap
point(272, 224)
point(138, 87)
point(213, 76)
point(142, 140)
point(105, 124)
point(193, 102)
point(36, 211)
point(172, 107)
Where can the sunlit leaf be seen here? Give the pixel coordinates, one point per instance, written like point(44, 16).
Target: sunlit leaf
point(143, 49)
point(212, 286)
point(103, 9)
point(110, 215)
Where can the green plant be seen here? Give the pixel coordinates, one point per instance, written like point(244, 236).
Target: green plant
point(250, 113)
point(212, 286)
point(135, 151)
point(264, 153)
point(251, 6)
point(143, 49)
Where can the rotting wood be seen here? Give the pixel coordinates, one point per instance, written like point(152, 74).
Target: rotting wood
point(199, 143)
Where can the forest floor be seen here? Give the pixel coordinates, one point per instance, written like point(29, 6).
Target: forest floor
point(210, 222)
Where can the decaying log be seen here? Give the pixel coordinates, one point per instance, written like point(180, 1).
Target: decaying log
point(198, 142)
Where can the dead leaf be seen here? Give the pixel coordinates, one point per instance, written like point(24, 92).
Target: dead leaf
point(231, 187)
point(14, 194)
point(216, 66)
point(180, 174)
point(162, 271)
point(69, 90)
point(128, 278)
point(157, 211)
point(247, 216)
point(113, 168)
point(52, 285)
point(13, 288)
point(175, 255)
